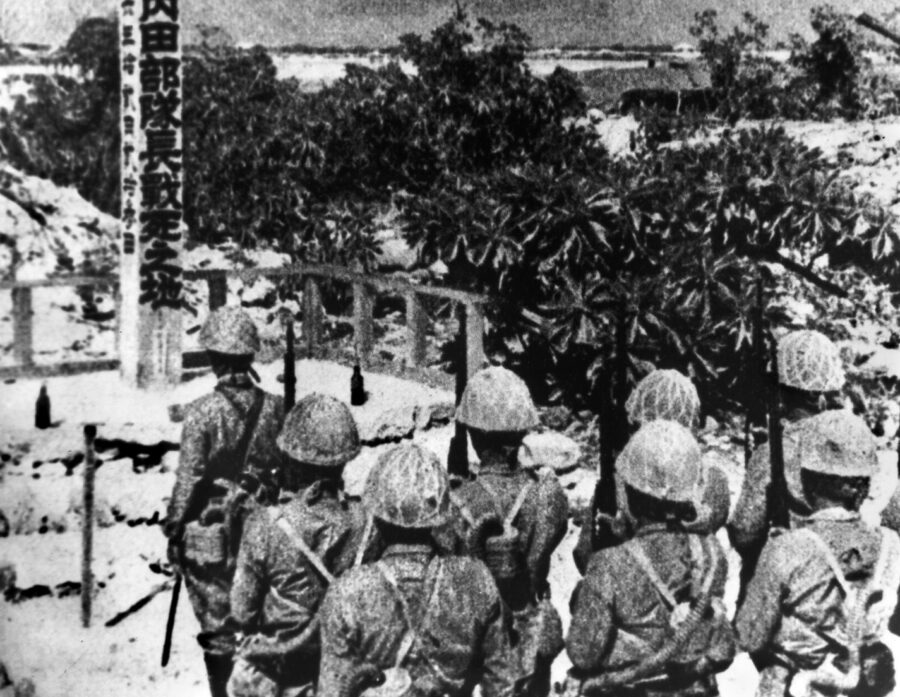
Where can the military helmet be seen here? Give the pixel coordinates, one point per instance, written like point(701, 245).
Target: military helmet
point(808, 360)
point(496, 399)
point(408, 487)
point(664, 394)
point(838, 443)
point(319, 430)
point(663, 460)
point(230, 330)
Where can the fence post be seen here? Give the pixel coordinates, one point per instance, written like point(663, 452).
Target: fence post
point(22, 326)
point(218, 291)
point(474, 338)
point(312, 315)
point(363, 330)
point(416, 328)
point(87, 525)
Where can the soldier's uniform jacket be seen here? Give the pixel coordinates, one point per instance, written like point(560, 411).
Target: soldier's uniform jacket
point(619, 618)
point(794, 603)
point(713, 514)
point(463, 639)
point(749, 524)
point(213, 426)
point(210, 438)
point(277, 589)
point(541, 521)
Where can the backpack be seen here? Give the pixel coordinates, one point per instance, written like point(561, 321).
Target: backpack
point(501, 552)
point(865, 665)
point(709, 634)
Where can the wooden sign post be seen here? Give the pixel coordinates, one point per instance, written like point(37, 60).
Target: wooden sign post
point(151, 293)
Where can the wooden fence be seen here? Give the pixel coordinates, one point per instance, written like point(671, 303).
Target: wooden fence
point(364, 288)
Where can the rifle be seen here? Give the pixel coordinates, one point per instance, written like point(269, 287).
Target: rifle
point(779, 513)
point(613, 430)
point(755, 376)
point(290, 376)
point(170, 622)
point(458, 452)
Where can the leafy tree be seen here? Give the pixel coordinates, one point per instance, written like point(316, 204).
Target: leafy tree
point(834, 63)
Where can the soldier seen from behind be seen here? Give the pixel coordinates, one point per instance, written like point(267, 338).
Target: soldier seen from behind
point(512, 518)
point(291, 551)
point(433, 624)
point(817, 608)
point(227, 447)
point(668, 395)
point(810, 375)
point(648, 618)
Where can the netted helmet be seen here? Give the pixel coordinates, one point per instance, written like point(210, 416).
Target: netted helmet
point(496, 399)
point(664, 394)
point(408, 487)
point(808, 360)
point(662, 460)
point(230, 330)
point(838, 443)
point(319, 430)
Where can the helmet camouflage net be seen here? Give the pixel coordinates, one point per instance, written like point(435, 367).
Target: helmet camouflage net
point(664, 394)
point(496, 399)
point(836, 442)
point(663, 460)
point(230, 330)
point(808, 360)
point(319, 430)
point(408, 487)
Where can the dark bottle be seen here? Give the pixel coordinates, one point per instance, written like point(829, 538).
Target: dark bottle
point(357, 387)
point(42, 409)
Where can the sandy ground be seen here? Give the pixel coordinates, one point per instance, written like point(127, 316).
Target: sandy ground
point(43, 638)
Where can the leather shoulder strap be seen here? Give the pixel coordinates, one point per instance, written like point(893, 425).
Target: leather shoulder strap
point(252, 419)
point(298, 541)
point(517, 505)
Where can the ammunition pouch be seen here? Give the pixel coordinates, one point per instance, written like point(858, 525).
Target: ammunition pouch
point(206, 545)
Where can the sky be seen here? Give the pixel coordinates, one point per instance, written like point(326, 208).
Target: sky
point(379, 22)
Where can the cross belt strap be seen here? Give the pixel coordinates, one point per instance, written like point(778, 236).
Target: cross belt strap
point(367, 532)
point(511, 514)
point(413, 629)
point(298, 541)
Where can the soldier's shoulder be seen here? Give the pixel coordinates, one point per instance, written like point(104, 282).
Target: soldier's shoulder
point(275, 401)
point(605, 561)
point(203, 406)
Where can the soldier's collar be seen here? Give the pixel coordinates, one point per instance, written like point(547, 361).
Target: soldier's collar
point(503, 469)
point(235, 380)
point(836, 513)
point(408, 550)
point(650, 529)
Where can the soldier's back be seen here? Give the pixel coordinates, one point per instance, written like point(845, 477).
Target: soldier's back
point(221, 416)
point(454, 597)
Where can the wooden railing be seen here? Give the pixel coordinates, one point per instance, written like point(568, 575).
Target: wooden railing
point(22, 324)
point(364, 288)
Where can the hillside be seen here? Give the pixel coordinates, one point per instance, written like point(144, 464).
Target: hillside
point(379, 22)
